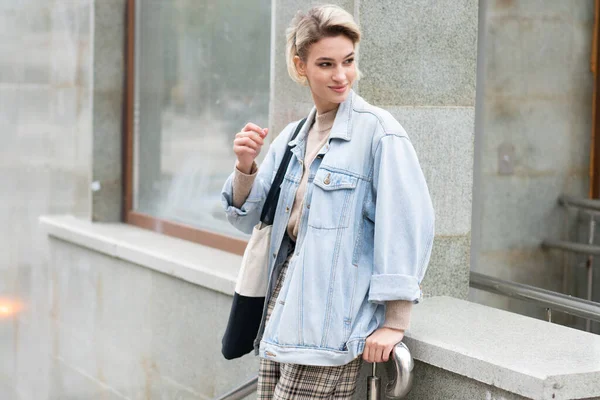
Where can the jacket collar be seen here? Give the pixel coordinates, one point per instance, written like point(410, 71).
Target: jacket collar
point(341, 128)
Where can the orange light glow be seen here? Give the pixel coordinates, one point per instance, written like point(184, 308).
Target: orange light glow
point(9, 307)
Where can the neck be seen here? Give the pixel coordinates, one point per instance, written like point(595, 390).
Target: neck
point(324, 106)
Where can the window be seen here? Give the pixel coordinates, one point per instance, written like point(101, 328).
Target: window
point(198, 71)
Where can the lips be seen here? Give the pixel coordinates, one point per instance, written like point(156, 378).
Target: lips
point(338, 89)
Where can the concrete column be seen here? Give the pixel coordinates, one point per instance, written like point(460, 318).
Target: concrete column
point(107, 111)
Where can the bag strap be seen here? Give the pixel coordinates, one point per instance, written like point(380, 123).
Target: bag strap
point(268, 212)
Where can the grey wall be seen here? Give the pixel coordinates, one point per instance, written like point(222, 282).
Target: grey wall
point(122, 331)
point(535, 105)
point(45, 127)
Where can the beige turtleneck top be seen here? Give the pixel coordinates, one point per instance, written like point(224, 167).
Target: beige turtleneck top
point(397, 313)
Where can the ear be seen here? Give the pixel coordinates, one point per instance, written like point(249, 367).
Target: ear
point(300, 66)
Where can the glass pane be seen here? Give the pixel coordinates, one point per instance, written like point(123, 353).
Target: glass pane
point(202, 72)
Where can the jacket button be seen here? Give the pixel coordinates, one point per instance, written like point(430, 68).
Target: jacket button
point(327, 181)
point(308, 206)
point(287, 209)
point(274, 255)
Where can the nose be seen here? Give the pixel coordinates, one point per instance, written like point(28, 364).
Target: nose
point(339, 75)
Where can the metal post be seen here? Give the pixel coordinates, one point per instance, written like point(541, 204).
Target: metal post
point(549, 314)
point(590, 266)
point(373, 385)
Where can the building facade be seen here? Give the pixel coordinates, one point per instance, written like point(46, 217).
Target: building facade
point(117, 265)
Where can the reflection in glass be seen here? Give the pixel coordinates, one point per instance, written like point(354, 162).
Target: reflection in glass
point(202, 73)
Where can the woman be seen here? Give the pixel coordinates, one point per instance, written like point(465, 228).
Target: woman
point(353, 229)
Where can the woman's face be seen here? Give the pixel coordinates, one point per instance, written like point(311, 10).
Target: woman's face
point(330, 71)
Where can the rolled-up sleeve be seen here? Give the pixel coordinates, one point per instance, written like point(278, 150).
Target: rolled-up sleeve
point(404, 222)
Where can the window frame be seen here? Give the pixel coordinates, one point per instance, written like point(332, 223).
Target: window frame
point(129, 215)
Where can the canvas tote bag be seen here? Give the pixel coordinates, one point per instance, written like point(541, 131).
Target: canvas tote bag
point(251, 285)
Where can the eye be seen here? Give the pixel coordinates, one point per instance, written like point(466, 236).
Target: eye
point(325, 64)
point(349, 61)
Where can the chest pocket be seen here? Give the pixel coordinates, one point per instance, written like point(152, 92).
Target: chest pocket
point(331, 199)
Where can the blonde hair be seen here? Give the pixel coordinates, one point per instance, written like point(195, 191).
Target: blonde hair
point(318, 23)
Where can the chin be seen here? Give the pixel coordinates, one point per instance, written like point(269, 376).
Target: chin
point(341, 97)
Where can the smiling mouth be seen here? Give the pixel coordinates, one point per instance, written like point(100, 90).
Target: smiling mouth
point(338, 88)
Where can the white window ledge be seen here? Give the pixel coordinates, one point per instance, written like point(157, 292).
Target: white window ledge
point(191, 262)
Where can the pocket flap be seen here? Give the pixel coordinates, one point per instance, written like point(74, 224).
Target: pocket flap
point(330, 180)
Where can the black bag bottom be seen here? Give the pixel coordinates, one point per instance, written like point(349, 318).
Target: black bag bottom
point(242, 327)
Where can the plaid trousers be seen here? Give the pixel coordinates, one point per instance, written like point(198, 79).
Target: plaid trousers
point(284, 381)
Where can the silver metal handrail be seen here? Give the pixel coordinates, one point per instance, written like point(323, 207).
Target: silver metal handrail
point(591, 207)
point(241, 391)
point(545, 298)
point(584, 204)
point(581, 248)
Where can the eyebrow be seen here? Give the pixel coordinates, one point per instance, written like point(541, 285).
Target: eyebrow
point(331, 59)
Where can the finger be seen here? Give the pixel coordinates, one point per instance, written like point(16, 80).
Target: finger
point(252, 127)
point(366, 352)
point(266, 131)
point(372, 351)
point(247, 142)
point(252, 135)
point(386, 353)
point(379, 354)
point(242, 150)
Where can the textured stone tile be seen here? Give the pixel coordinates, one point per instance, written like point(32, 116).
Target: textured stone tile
point(184, 340)
point(31, 353)
point(64, 110)
point(580, 75)
point(580, 137)
point(448, 270)
point(107, 153)
point(34, 109)
point(8, 345)
point(9, 104)
point(11, 60)
point(502, 8)
point(109, 20)
point(504, 71)
point(68, 383)
point(546, 67)
point(443, 139)
point(583, 11)
point(419, 54)
point(70, 42)
point(449, 386)
point(100, 324)
point(519, 212)
point(553, 9)
point(109, 42)
point(521, 123)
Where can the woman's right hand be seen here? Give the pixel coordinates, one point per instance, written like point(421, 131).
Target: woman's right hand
point(247, 145)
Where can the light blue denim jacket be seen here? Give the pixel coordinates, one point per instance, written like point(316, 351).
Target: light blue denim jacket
point(364, 238)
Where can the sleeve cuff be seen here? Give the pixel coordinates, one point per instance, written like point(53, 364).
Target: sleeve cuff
point(394, 287)
point(242, 185)
point(397, 314)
